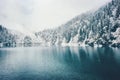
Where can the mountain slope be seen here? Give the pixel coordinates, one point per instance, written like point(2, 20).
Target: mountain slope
point(12, 38)
point(101, 27)
point(5, 36)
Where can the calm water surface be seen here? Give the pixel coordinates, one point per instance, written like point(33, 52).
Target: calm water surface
point(60, 63)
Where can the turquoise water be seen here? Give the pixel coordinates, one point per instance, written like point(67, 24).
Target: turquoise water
point(60, 63)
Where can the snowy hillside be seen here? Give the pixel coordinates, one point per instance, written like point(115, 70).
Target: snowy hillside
point(93, 28)
point(101, 27)
point(12, 38)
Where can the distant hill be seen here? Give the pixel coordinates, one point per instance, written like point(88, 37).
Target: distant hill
point(11, 38)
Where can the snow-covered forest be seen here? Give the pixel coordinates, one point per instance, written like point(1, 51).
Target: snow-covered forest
point(100, 27)
point(94, 28)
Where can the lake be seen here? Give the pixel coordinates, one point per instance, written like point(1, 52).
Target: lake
point(59, 63)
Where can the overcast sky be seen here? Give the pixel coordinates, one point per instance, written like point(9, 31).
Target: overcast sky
point(37, 15)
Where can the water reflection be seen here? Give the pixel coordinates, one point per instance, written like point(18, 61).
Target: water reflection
point(54, 63)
